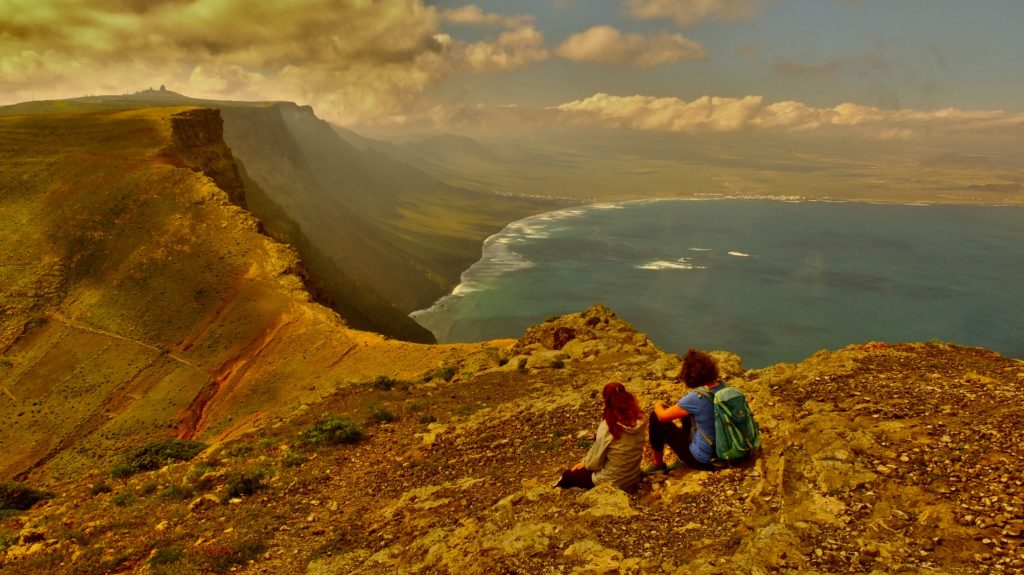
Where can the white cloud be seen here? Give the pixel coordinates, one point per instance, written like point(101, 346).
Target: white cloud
point(351, 59)
point(607, 45)
point(688, 12)
point(710, 114)
point(473, 15)
point(512, 49)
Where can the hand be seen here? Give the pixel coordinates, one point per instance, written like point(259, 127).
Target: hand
point(577, 467)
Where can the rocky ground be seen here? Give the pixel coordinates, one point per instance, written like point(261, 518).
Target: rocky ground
point(877, 458)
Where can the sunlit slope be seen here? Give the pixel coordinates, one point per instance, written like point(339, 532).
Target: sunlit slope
point(381, 238)
point(137, 299)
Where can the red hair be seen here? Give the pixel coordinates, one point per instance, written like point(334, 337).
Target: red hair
point(619, 407)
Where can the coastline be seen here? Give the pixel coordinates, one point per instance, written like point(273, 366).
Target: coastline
point(467, 285)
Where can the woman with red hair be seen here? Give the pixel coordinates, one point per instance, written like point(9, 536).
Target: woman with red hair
point(618, 448)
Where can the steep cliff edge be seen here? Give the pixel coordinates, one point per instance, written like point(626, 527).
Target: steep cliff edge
point(139, 300)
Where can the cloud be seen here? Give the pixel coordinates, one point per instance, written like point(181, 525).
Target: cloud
point(711, 114)
point(512, 50)
point(351, 59)
point(473, 15)
point(689, 12)
point(607, 45)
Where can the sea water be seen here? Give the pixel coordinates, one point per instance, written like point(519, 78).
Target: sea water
point(771, 281)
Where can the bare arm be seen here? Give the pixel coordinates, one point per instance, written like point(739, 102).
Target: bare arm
point(665, 413)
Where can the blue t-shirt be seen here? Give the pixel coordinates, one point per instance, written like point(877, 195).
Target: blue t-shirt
point(703, 411)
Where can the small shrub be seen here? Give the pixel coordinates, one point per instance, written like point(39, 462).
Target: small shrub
point(383, 383)
point(7, 538)
point(123, 499)
point(166, 555)
point(100, 487)
point(154, 455)
point(427, 419)
point(265, 444)
point(198, 471)
point(558, 364)
point(220, 558)
point(239, 450)
point(177, 492)
point(445, 372)
point(202, 478)
point(78, 536)
point(246, 482)
point(148, 488)
point(18, 496)
point(380, 415)
point(294, 459)
point(332, 431)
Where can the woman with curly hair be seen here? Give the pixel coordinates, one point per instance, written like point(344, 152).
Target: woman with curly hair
point(693, 441)
point(618, 448)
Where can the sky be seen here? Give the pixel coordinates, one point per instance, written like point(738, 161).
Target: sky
point(887, 69)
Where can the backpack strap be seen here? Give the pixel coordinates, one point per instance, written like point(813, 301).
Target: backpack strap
point(703, 392)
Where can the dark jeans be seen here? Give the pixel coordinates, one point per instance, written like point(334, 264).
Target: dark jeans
point(579, 478)
point(662, 433)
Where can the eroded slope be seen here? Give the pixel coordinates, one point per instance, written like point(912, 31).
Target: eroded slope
point(138, 298)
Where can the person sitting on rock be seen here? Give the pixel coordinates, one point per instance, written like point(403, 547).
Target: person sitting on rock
point(693, 441)
point(618, 448)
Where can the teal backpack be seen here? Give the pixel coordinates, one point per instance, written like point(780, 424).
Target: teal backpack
point(736, 432)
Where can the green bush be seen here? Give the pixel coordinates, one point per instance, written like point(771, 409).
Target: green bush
point(100, 487)
point(123, 499)
point(380, 415)
point(177, 492)
point(148, 488)
point(154, 455)
point(383, 382)
point(18, 496)
point(332, 431)
point(166, 555)
point(220, 558)
point(294, 459)
point(245, 482)
point(445, 372)
point(7, 538)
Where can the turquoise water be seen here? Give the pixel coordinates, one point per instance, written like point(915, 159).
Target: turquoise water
point(771, 281)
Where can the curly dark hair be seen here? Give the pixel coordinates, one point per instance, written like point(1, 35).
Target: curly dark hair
point(698, 369)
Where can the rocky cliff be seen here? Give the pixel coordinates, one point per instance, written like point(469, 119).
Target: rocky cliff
point(381, 238)
point(877, 458)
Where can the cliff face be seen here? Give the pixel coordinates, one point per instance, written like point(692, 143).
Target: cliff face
point(139, 300)
point(379, 238)
point(384, 238)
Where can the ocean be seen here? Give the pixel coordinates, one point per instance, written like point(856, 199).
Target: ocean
point(771, 281)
